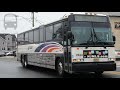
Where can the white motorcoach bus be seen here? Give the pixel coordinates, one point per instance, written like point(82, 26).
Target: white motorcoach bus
point(77, 43)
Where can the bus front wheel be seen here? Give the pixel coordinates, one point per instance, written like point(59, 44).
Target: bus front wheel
point(60, 68)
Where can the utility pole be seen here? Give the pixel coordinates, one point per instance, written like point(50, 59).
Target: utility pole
point(33, 19)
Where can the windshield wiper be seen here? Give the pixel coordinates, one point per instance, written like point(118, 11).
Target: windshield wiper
point(98, 40)
point(90, 40)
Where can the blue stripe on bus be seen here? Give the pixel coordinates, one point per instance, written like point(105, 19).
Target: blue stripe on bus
point(41, 46)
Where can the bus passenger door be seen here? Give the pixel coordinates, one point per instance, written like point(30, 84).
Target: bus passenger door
point(67, 59)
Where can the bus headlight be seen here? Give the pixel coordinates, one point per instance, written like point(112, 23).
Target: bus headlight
point(112, 59)
point(76, 60)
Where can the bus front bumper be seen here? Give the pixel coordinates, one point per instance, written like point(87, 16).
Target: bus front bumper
point(93, 67)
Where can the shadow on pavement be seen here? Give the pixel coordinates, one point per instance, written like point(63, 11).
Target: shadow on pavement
point(53, 73)
point(41, 70)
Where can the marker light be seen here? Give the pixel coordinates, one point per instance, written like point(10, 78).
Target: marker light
point(89, 52)
point(112, 59)
point(103, 52)
point(92, 52)
point(99, 53)
point(106, 52)
point(85, 53)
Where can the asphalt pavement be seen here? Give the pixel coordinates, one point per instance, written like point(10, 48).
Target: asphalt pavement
point(11, 68)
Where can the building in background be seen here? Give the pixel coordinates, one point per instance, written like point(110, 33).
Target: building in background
point(115, 23)
point(7, 42)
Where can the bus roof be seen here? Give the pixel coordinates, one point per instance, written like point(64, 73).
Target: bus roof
point(62, 19)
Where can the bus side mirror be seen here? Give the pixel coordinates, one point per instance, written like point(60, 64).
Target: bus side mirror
point(54, 35)
point(114, 39)
point(69, 34)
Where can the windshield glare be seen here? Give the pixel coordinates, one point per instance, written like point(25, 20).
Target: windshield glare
point(104, 34)
point(80, 34)
point(86, 33)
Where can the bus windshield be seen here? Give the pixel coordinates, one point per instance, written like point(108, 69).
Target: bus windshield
point(91, 33)
point(103, 31)
point(81, 31)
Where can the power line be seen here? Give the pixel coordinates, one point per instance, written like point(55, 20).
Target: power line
point(27, 19)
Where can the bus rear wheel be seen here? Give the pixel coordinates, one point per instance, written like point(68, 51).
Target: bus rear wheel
point(24, 61)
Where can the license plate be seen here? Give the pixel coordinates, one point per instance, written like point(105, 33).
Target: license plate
point(96, 59)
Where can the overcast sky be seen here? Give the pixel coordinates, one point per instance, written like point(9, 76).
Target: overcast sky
point(24, 20)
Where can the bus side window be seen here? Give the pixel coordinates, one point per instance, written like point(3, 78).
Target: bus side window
point(58, 34)
point(49, 32)
point(57, 27)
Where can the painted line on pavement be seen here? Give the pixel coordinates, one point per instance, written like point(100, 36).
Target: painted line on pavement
point(118, 66)
point(113, 72)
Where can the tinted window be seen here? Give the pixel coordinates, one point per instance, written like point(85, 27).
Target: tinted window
point(26, 36)
point(91, 18)
point(41, 34)
point(36, 35)
point(101, 25)
point(80, 30)
point(81, 24)
point(57, 26)
point(117, 50)
point(20, 37)
point(49, 32)
point(31, 36)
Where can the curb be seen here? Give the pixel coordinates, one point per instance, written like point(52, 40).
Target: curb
point(8, 57)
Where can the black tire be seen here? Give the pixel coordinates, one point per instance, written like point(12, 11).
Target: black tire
point(24, 61)
point(60, 68)
point(99, 72)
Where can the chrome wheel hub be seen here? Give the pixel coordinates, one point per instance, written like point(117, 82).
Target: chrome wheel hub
point(60, 68)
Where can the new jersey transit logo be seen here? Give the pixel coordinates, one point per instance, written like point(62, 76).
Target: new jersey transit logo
point(50, 47)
